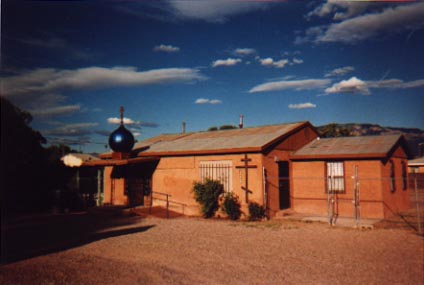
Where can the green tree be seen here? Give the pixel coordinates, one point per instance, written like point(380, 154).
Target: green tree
point(22, 161)
point(334, 130)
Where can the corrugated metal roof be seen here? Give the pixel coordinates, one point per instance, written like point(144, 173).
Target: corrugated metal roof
point(247, 138)
point(362, 146)
point(416, 162)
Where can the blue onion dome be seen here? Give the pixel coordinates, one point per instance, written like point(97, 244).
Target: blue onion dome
point(121, 139)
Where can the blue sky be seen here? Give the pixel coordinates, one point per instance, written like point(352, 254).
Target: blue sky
point(72, 64)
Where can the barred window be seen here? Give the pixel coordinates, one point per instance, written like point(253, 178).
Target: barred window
point(220, 170)
point(335, 177)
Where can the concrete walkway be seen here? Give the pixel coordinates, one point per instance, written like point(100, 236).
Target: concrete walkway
point(339, 221)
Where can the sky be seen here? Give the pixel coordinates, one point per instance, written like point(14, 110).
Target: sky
point(72, 64)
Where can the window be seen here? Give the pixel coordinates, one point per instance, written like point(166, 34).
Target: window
point(392, 176)
point(335, 177)
point(220, 170)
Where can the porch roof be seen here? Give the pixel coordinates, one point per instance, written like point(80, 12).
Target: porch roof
point(118, 162)
point(350, 147)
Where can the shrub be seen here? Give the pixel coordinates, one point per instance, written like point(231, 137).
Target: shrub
point(231, 206)
point(207, 195)
point(256, 212)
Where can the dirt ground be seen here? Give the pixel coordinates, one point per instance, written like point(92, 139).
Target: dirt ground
point(104, 248)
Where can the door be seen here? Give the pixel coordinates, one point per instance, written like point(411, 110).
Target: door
point(284, 184)
point(135, 191)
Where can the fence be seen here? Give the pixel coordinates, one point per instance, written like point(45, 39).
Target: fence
point(357, 197)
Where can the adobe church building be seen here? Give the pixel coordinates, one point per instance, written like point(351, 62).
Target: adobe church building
point(280, 167)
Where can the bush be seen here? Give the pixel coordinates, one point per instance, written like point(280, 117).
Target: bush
point(256, 212)
point(231, 206)
point(207, 195)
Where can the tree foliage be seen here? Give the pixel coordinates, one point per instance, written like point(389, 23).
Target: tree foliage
point(29, 173)
point(334, 130)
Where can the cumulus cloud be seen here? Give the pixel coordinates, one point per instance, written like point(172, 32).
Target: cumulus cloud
point(244, 51)
point(302, 106)
point(352, 86)
point(340, 71)
point(272, 63)
point(166, 48)
point(212, 10)
point(207, 101)
point(358, 86)
point(226, 62)
point(298, 85)
point(55, 111)
point(45, 80)
point(391, 20)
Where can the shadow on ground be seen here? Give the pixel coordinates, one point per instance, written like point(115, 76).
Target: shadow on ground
point(157, 212)
point(31, 236)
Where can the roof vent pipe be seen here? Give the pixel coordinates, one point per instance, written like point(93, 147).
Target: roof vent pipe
point(241, 122)
point(183, 128)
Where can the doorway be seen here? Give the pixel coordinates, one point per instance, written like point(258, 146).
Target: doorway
point(284, 184)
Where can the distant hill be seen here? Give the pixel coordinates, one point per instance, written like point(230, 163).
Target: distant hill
point(414, 136)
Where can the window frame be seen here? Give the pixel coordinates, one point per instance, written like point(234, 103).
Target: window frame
point(338, 185)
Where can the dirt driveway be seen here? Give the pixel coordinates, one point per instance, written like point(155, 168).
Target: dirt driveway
point(104, 249)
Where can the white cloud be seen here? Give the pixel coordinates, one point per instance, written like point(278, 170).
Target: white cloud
point(272, 63)
point(395, 83)
point(166, 48)
point(389, 21)
point(226, 62)
point(131, 122)
point(45, 80)
point(244, 51)
point(297, 85)
point(207, 101)
point(348, 9)
point(340, 71)
point(212, 10)
point(215, 102)
point(352, 86)
point(358, 86)
point(302, 106)
point(296, 61)
point(55, 111)
point(117, 121)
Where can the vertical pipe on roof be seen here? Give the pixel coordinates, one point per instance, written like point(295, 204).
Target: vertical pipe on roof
point(241, 122)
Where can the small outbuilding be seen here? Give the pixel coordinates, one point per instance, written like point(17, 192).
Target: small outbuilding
point(363, 177)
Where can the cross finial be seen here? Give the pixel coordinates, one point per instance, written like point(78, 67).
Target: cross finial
point(121, 110)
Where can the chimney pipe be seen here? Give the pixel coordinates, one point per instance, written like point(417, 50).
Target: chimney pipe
point(183, 130)
point(241, 122)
